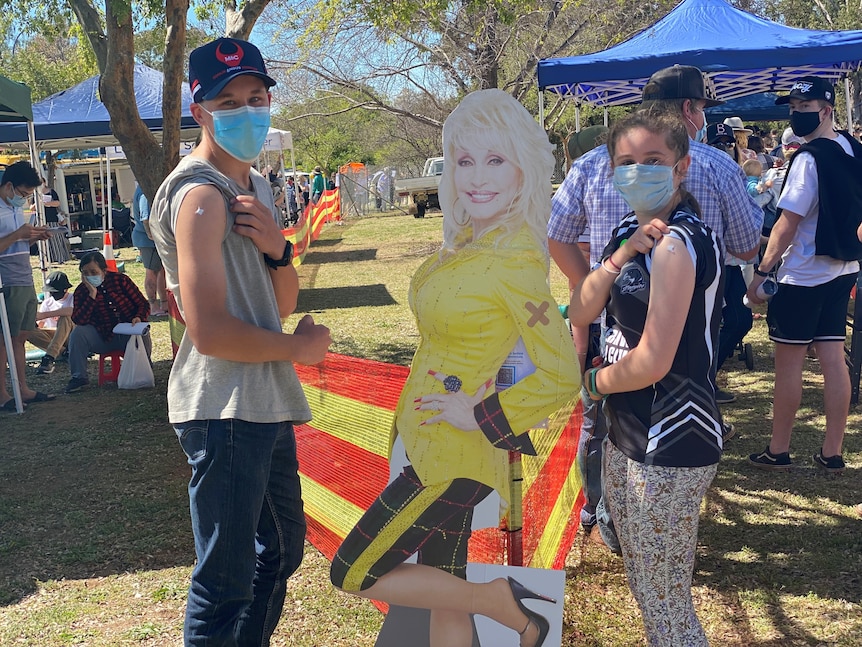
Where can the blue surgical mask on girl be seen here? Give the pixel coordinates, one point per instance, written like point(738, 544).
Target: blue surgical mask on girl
point(95, 281)
point(646, 188)
point(241, 132)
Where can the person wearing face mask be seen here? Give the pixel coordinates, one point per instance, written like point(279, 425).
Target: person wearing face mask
point(815, 241)
point(16, 235)
point(100, 302)
point(587, 197)
point(660, 280)
point(233, 393)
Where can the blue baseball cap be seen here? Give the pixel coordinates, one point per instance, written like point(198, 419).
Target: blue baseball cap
point(214, 65)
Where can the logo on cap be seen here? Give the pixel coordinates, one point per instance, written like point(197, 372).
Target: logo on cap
point(802, 86)
point(231, 60)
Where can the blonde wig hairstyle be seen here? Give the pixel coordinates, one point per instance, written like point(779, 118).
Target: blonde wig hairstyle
point(496, 120)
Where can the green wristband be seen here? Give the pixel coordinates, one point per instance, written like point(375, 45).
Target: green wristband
point(591, 386)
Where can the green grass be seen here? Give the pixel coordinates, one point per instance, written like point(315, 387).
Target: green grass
point(96, 547)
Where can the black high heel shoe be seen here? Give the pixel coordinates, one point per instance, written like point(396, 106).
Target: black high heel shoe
point(521, 592)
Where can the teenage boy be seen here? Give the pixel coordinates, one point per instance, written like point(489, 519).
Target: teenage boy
point(814, 239)
point(233, 394)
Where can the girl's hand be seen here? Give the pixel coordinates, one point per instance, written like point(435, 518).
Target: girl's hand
point(645, 238)
point(455, 406)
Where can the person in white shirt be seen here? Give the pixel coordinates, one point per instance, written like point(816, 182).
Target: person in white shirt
point(814, 279)
point(53, 321)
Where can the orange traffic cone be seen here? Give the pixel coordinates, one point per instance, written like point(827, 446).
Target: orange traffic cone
point(108, 253)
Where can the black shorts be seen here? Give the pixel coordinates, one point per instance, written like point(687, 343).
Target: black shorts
point(150, 258)
point(801, 315)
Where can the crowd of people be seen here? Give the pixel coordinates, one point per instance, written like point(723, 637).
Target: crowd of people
point(663, 228)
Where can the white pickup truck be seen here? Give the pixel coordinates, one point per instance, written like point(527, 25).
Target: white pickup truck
point(422, 190)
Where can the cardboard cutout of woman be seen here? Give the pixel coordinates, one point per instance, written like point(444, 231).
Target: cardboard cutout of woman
point(485, 289)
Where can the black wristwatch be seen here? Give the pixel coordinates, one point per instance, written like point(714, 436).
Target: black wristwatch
point(759, 273)
point(285, 260)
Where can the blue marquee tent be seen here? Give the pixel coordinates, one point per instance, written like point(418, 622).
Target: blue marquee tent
point(754, 107)
point(740, 53)
point(76, 118)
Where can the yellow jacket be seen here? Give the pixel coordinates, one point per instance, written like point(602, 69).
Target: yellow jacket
point(471, 307)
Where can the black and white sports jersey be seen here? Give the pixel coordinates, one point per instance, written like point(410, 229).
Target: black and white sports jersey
point(675, 422)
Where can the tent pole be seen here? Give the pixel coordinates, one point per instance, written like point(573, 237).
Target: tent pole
point(541, 108)
point(109, 199)
point(605, 111)
point(577, 117)
point(40, 207)
point(849, 104)
point(102, 188)
point(10, 355)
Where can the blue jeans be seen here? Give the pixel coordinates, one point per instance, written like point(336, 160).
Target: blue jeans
point(591, 445)
point(736, 317)
point(85, 340)
point(249, 528)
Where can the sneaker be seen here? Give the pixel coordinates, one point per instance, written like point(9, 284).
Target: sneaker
point(766, 460)
point(723, 397)
point(46, 366)
point(833, 464)
point(728, 432)
point(76, 384)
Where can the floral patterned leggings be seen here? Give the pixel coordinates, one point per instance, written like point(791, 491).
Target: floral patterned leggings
point(655, 510)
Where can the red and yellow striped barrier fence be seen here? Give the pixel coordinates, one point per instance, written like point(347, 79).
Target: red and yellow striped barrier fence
point(343, 457)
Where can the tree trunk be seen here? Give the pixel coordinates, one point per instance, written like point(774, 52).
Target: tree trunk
point(239, 23)
point(117, 90)
point(173, 68)
point(91, 23)
point(487, 57)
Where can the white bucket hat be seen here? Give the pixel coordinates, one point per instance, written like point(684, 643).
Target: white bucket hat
point(736, 124)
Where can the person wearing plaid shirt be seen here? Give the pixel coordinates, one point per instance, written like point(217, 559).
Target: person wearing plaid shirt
point(587, 199)
point(101, 301)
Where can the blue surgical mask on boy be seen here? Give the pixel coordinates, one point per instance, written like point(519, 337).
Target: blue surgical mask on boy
point(241, 132)
point(18, 202)
point(95, 281)
point(646, 188)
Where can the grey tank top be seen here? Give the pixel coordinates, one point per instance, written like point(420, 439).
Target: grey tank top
point(203, 387)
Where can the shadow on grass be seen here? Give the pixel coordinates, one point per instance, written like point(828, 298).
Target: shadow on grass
point(92, 484)
point(349, 256)
point(796, 547)
point(311, 299)
point(390, 353)
point(326, 242)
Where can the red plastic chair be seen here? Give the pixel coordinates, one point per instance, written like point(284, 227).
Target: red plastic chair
point(108, 372)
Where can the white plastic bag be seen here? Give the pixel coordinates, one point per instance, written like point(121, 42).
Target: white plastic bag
point(135, 371)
